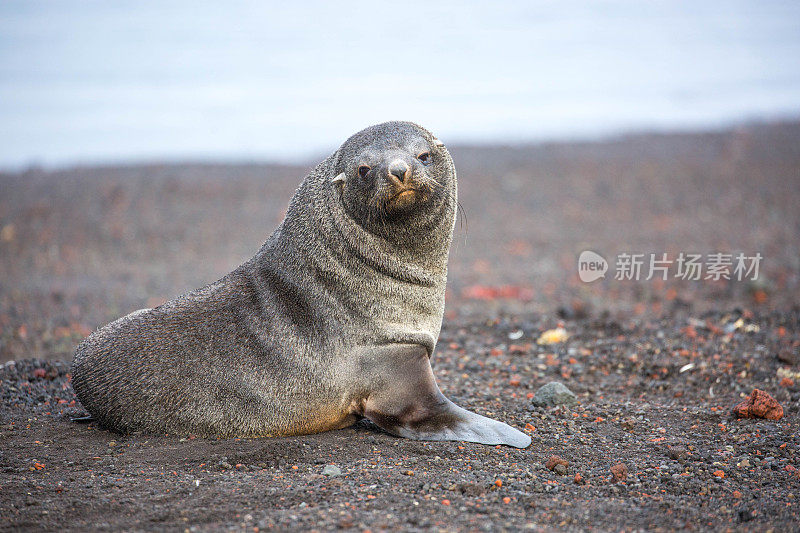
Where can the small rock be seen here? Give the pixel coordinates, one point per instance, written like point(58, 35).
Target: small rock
point(560, 469)
point(628, 423)
point(620, 472)
point(759, 405)
point(579, 479)
point(515, 335)
point(745, 514)
point(225, 465)
point(471, 489)
point(331, 471)
point(553, 336)
point(553, 393)
point(787, 356)
point(555, 461)
point(676, 452)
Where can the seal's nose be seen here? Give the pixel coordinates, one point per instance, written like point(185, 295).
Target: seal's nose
point(399, 169)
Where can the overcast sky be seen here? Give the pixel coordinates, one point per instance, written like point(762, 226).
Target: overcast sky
point(84, 82)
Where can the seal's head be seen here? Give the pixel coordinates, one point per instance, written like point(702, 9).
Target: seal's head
point(394, 173)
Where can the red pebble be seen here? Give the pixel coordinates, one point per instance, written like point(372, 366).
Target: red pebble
point(555, 460)
point(620, 472)
point(759, 405)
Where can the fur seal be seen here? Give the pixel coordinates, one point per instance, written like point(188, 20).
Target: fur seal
point(335, 318)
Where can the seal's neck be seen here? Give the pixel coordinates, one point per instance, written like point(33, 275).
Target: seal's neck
point(409, 253)
point(317, 223)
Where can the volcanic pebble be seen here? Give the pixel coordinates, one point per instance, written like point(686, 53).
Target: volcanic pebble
point(759, 405)
point(555, 461)
point(620, 472)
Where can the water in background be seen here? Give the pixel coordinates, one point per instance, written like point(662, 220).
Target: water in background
point(130, 80)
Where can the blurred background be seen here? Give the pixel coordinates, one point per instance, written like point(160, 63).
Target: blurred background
point(148, 148)
point(92, 81)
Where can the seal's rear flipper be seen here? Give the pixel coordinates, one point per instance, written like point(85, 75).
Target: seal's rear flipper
point(410, 404)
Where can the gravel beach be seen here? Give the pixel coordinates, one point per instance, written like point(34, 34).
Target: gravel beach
point(649, 441)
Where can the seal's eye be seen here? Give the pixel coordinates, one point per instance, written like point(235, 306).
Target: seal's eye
point(363, 170)
point(425, 158)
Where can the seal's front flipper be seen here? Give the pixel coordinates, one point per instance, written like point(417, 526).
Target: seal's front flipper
point(410, 404)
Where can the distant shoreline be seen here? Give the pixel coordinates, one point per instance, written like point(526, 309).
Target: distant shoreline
point(312, 158)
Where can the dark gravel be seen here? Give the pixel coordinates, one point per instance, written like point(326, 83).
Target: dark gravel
point(656, 366)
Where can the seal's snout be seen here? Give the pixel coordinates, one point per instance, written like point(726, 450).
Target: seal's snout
point(399, 171)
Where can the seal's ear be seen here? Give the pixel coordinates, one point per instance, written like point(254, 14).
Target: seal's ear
point(339, 178)
point(409, 404)
point(437, 142)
